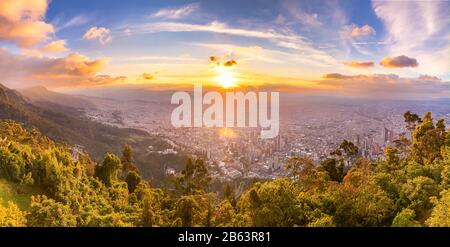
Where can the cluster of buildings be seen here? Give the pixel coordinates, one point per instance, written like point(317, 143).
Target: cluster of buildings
point(314, 130)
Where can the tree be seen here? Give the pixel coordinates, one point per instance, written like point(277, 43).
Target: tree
point(350, 151)
point(133, 179)
point(229, 194)
point(447, 139)
point(428, 140)
point(406, 218)
point(411, 120)
point(194, 178)
point(298, 166)
point(148, 214)
point(305, 171)
point(358, 200)
point(224, 214)
point(49, 213)
point(108, 170)
point(11, 216)
point(402, 143)
point(185, 210)
point(334, 171)
point(127, 160)
point(323, 221)
point(392, 160)
point(440, 215)
point(418, 192)
point(274, 203)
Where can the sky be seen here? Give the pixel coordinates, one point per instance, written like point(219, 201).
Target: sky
point(392, 49)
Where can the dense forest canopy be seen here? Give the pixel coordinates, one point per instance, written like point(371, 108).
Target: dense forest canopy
point(409, 187)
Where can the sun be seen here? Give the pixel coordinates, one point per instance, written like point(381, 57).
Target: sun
point(226, 78)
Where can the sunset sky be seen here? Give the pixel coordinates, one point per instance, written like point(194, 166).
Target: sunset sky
point(363, 48)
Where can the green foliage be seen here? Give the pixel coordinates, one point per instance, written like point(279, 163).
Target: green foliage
point(48, 212)
point(334, 169)
point(428, 140)
point(132, 179)
point(230, 194)
point(194, 178)
point(127, 159)
point(418, 192)
point(358, 201)
point(49, 187)
point(224, 214)
point(447, 139)
point(274, 203)
point(406, 218)
point(108, 170)
point(411, 120)
point(440, 216)
point(324, 221)
point(11, 216)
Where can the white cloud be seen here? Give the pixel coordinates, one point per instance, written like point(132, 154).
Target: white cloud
point(101, 34)
point(298, 11)
point(419, 29)
point(177, 13)
point(214, 27)
point(285, 40)
point(257, 53)
point(75, 21)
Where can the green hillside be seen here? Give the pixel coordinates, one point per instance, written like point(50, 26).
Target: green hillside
point(47, 186)
point(19, 195)
point(96, 138)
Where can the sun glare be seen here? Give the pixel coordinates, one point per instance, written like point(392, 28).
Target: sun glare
point(227, 133)
point(226, 78)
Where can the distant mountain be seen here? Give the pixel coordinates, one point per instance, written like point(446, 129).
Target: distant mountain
point(129, 93)
point(40, 95)
point(96, 138)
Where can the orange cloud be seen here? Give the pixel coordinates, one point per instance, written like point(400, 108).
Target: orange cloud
point(75, 64)
point(230, 63)
point(147, 76)
point(337, 76)
point(399, 62)
point(23, 69)
point(214, 60)
point(360, 64)
point(217, 61)
point(21, 22)
point(101, 34)
point(55, 46)
point(354, 31)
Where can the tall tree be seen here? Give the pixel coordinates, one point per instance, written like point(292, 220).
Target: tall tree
point(133, 179)
point(127, 160)
point(334, 169)
point(194, 178)
point(411, 120)
point(108, 170)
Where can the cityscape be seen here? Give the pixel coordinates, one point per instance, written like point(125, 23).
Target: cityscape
point(309, 126)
